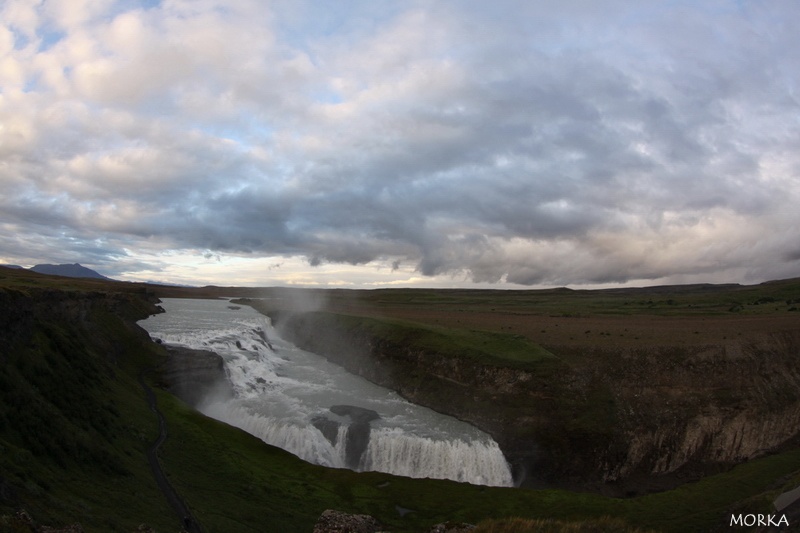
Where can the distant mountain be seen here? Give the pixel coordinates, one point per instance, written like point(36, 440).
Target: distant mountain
point(169, 284)
point(70, 271)
point(16, 267)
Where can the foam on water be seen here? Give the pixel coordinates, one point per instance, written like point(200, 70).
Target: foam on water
point(280, 390)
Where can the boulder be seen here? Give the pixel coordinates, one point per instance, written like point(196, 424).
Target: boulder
point(452, 527)
point(332, 521)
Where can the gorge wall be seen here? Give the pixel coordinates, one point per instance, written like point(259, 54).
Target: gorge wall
point(622, 422)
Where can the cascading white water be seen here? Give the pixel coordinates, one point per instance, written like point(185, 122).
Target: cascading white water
point(305, 441)
point(395, 451)
point(284, 396)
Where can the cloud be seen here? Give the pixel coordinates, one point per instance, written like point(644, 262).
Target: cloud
point(525, 143)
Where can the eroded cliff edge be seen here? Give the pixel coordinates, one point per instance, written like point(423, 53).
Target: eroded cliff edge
point(624, 421)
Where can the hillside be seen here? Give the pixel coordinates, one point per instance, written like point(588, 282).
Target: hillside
point(75, 426)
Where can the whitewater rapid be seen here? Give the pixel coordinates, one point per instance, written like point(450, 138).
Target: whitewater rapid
point(284, 395)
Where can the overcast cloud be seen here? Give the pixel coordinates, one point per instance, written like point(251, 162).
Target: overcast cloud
point(375, 143)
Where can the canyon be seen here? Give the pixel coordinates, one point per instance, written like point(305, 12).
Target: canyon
point(603, 403)
point(621, 419)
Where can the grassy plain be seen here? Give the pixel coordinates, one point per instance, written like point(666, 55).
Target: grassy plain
point(692, 314)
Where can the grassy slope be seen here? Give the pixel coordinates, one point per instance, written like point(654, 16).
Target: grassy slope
point(238, 484)
point(73, 428)
point(65, 461)
point(493, 348)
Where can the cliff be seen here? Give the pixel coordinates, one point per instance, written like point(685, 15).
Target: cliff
point(192, 375)
point(72, 418)
point(623, 421)
point(686, 411)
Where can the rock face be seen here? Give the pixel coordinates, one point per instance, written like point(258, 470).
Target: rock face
point(718, 405)
point(193, 375)
point(338, 522)
point(627, 421)
point(358, 431)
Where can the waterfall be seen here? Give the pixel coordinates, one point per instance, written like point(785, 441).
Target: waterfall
point(306, 442)
point(395, 452)
point(302, 403)
point(390, 450)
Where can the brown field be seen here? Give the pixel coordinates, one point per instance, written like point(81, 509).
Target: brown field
point(603, 331)
point(560, 330)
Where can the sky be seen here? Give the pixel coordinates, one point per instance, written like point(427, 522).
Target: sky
point(381, 143)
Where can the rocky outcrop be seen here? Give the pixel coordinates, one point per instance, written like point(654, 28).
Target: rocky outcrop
point(193, 375)
point(23, 523)
point(624, 422)
point(452, 527)
point(359, 415)
point(358, 430)
point(332, 521)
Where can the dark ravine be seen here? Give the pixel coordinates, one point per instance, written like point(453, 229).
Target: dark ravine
point(632, 421)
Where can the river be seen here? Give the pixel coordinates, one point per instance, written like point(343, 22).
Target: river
point(301, 402)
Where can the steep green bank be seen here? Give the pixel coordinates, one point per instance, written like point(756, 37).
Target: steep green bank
point(73, 425)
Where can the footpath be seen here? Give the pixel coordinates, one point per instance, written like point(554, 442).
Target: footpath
point(189, 523)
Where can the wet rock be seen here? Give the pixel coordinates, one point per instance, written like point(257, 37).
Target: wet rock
point(357, 442)
point(356, 414)
point(192, 375)
point(264, 338)
point(329, 428)
point(357, 433)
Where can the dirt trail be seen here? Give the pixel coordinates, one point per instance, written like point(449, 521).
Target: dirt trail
point(188, 521)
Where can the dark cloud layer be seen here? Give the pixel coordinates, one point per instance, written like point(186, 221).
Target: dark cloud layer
point(528, 143)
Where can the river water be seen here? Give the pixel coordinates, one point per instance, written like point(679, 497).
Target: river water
point(283, 395)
